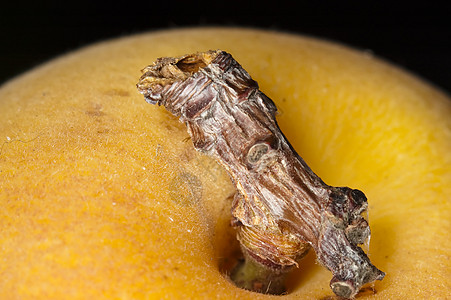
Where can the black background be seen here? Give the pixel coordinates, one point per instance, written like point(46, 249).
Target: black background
point(413, 35)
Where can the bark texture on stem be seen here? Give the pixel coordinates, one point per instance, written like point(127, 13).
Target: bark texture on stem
point(281, 208)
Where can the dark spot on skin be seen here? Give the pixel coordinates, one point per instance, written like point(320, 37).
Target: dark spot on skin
point(169, 125)
point(367, 291)
point(103, 131)
point(185, 189)
point(95, 111)
point(117, 92)
point(188, 154)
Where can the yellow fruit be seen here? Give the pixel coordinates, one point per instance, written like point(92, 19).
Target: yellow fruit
point(103, 196)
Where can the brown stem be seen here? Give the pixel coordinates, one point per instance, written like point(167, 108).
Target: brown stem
point(281, 207)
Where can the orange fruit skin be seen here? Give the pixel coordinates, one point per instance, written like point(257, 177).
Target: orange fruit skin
point(103, 196)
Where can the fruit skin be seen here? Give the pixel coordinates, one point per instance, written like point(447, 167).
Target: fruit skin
point(103, 196)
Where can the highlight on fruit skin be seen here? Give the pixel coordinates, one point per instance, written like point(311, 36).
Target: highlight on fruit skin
point(281, 208)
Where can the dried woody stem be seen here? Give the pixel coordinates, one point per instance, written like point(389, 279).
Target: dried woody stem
point(281, 208)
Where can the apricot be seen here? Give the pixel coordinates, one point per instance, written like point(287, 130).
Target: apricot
point(104, 197)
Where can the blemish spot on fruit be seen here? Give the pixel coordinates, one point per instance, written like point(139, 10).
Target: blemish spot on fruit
point(367, 291)
point(95, 111)
point(117, 92)
point(185, 189)
point(103, 131)
point(188, 154)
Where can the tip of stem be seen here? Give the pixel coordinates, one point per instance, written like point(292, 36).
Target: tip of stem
point(343, 289)
point(167, 70)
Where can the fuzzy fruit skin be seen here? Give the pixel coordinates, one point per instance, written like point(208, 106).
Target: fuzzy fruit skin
point(103, 197)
